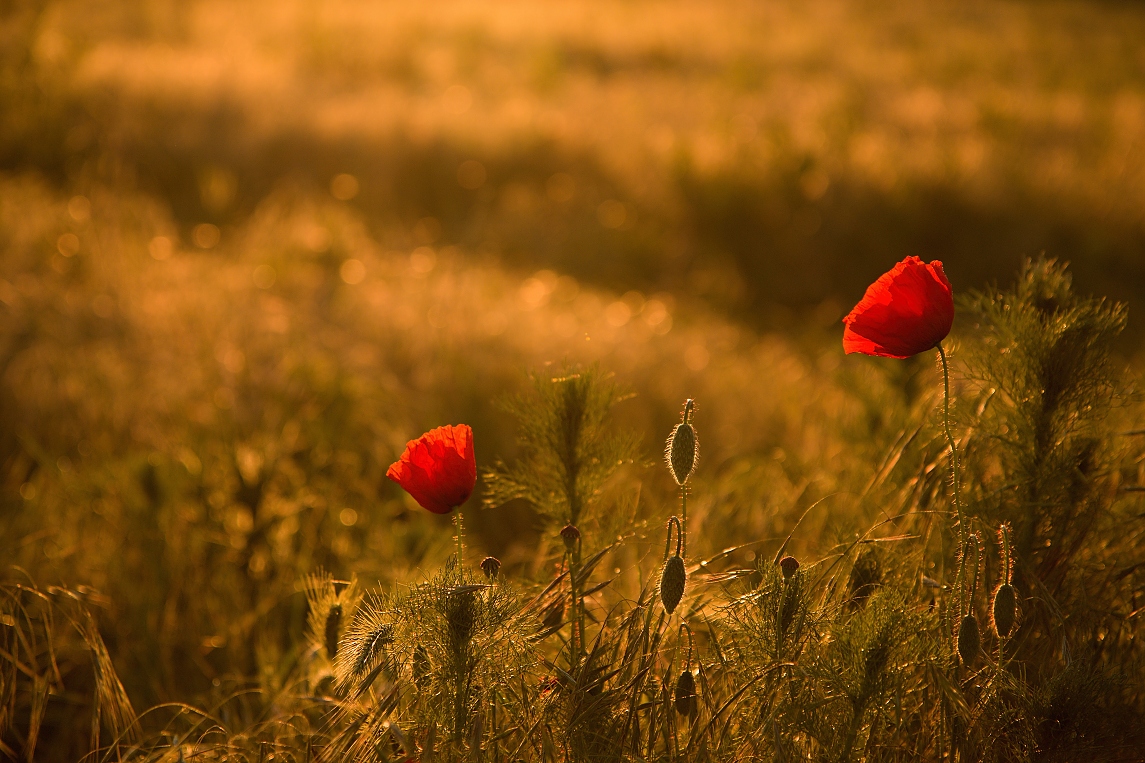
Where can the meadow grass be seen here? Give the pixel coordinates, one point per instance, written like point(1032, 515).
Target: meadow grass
point(250, 249)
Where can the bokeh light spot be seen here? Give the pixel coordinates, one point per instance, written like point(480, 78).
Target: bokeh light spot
point(264, 276)
point(534, 293)
point(612, 213)
point(79, 208)
point(353, 271)
point(206, 235)
point(471, 174)
point(161, 248)
point(422, 260)
point(68, 244)
point(618, 313)
point(344, 186)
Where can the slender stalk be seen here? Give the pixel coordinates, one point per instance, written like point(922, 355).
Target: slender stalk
point(953, 446)
point(457, 523)
point(574, 570)
point(961, 523)
point(684, 519)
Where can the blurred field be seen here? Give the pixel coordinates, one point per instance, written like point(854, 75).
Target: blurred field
point(761, 156)
point(249, 249)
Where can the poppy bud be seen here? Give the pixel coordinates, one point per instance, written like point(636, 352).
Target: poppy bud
point(1005, 610)
point(686, 694)
point(788, 565)
point(672, 581)
point(681, 452)
point(969, 639)
point(491, 565)
point(420, 666)
point(333, 622)
point(571, 535)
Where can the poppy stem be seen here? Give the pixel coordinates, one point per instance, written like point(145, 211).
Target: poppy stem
point(684, 519)
point(460, 545)
point(957, 494)
point(950, 440)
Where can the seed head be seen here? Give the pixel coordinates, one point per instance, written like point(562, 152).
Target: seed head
point(681, 452)
point(686, 694)
point(570, 535)
point(491, 565)
point(1005, 610)
point(969, 639)
point(672, 581)
point(788, 565)
point(333, 624)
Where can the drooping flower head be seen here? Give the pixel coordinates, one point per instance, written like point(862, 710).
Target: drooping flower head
point(438, 469)
point(909, 310)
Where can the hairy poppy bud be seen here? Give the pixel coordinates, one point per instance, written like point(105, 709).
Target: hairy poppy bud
point(571, 535)
point(681, 452)
point(788, 565)
point(491, 565)
point(333, 623)
point(686, 694)
point(420, 666)
point(672, 581)
point(969, 639)
point(1005, 610)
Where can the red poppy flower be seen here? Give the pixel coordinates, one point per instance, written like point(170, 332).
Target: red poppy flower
point(909, 310)
point(438, 469)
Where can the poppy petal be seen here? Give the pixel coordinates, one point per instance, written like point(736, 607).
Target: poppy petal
point(438, 469)
point(908, 310)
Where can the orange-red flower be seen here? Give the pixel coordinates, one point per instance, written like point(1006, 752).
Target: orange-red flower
point(909, 310)
point(438, 469)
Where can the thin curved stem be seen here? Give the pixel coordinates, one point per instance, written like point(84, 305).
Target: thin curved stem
point(953, 447)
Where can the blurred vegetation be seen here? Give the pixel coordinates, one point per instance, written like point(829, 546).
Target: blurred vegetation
point(250, 249)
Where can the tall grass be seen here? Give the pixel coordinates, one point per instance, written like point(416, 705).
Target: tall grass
point(854, 653)
point(240, 271)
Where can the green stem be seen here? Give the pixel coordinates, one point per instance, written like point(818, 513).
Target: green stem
point(684, 520)
point(953, 447)
point(574, 569)
point(457, 523)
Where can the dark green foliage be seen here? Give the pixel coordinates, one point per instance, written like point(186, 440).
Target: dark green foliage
point(567, 448)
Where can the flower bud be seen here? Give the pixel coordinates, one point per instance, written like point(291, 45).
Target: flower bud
point(491, 565)
point(1005, 610)
point(686, 694)
point(672, 581)
point(571, 535)
point(681, 452)
point(788, 565)
point(969, 639)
